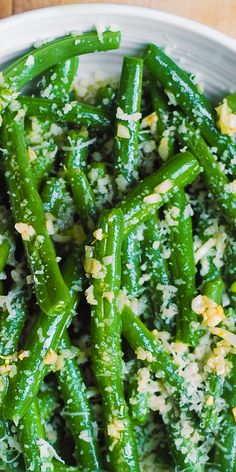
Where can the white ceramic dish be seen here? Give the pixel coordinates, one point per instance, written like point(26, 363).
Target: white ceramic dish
point(200, 49)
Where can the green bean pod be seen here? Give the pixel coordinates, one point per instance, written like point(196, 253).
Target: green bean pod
point(12, 320)
point(165, 138)
point(101, 184)
point(185, 452)
point(210, 415)
point(127, 123)
point(187, 96)
point(106, 344)
point(159, 282)
point(47, 401)
point(130, 282)
point(57, 202)
point(10, 460)
point(131, 261)
point(216, 180)
point(225, 445)
point(159, 360)
point(76, 150)
point(48, 55)
point(57, 82)
point(77, 410)
point(183, 268)
point(83, 195)
point(50, 288)
point(38, 453)
point(45, 335)
point(178, 172)
point(58, 112)
point(230, 269)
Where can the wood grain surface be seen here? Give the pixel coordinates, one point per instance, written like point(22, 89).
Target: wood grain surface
point(220, 14)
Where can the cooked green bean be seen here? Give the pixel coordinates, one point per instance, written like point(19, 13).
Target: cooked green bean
point(52, 293)
point(73, 112)
point(210, 420)
point(44, 339)
point(216, 179)
point(187, 96)
point(183, 267)
point(76, 151)
point(106, 342)
point(47, 55)
point(57, 82)
point(155, 190)
point(160, 290)
point(145, 342)
point(127, 123)
point(77, 410)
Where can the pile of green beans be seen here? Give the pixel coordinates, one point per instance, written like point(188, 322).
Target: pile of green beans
point(117, 283)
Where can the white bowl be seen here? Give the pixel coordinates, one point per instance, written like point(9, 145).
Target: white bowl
point(199, 49)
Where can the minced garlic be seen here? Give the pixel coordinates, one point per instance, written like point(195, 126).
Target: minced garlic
point(115, 428)
point(50, 358)
point(122, 132)
point(164, 186)
point(26, 231)
point(226, 119)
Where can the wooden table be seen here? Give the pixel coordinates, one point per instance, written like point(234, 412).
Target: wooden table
point(220, 14)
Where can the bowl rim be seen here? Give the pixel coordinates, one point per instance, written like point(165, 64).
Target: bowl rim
point(129, 10)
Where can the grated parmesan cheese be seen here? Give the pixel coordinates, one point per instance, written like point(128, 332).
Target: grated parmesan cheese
point(126, 117)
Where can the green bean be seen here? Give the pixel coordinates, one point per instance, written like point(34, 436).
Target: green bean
point(58, 203)
point(183, 268)
point(216, 180)
point(131, 271)
point(12, 319)
point(52, 293)
point(76, 152)
point(178, 172)
point(48, 55)
point(106, 340)
point(83, 195)
point(213, 289)
point(185, 452)
point(73, 112)
point(47, 401)
point(106, 96)
point(157, 359)
point(101, 183)
point(42, 147)
point(165, 138)
point(45, 336)
point(38, 453)
point(188, 97)
point(211, 235)
point(230, 269)
point(10, 459)
point(77, 410)
point(127, 122)
point(57, 82)
point(225, 444)
point(211, 409)
point(130, 282)
point(32, 435)
point(159, 283)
